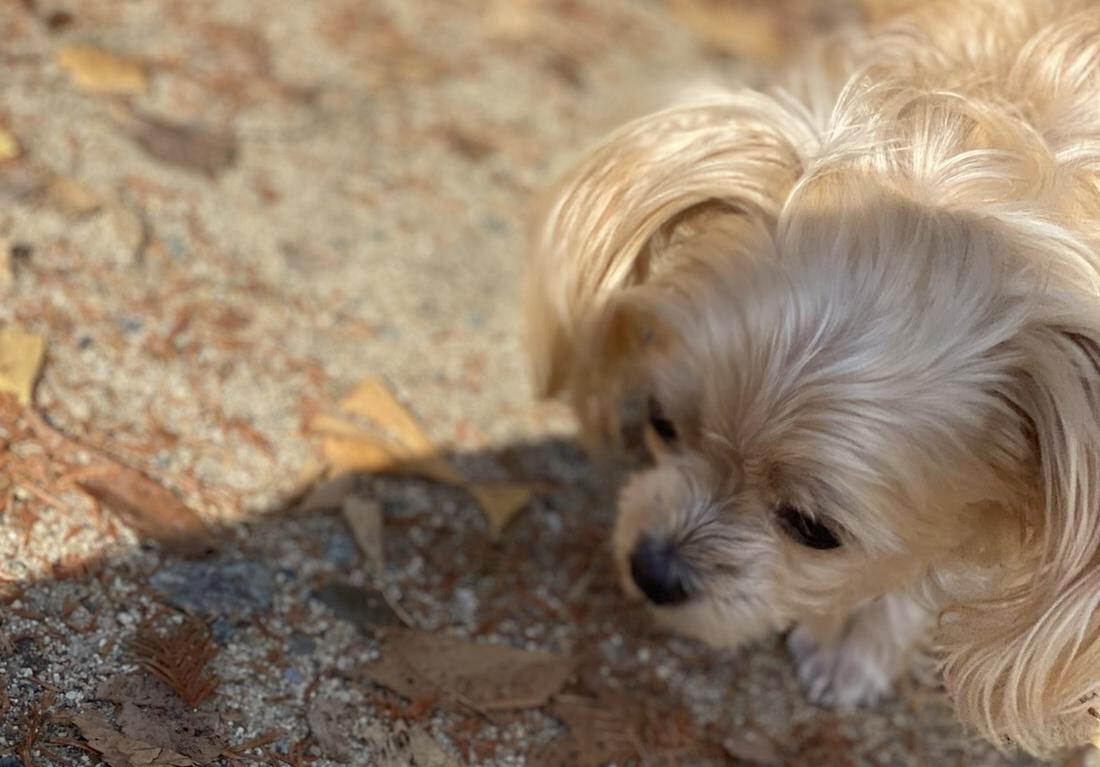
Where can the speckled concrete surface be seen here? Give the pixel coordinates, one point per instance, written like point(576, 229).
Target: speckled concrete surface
point(369, 219)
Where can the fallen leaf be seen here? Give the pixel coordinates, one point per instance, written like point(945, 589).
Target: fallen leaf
point(615, 725)
point(513, 19)
point(190, 147)
point(404, 449)
point(9, 145)
point(326, 719)
point(361, 453)
point(98, 70)
point(117, 750)
point(71, 198)
point(400, 744)
point(21, 356)
point(752, 745)
point(171, 731)
point(598, 734)
point(366, 609)
point(738, 29)
point(348, 449)
point(7, 266)
point(417, 664)
point(373, 400)
point(130, 228)
point(501, 502)
point(328, 494)
point(147, 507)
point(364, 518)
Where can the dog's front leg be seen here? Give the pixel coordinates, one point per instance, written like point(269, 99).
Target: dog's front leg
point(858, 664)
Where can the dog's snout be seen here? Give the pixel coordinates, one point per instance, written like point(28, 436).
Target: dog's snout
point(659, 572)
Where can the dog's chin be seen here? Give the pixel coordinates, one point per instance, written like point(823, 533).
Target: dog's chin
point(725, 624)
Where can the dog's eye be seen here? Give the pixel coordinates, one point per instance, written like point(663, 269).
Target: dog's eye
point(660, 423)
point(804, 529)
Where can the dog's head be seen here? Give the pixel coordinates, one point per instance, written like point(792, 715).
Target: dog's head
point(855, 386)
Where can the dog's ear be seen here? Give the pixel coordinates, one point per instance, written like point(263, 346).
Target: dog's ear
point(616, 221)
point(1023, 667)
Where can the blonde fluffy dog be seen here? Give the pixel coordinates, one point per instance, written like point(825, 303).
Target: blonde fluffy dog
point(865, 310)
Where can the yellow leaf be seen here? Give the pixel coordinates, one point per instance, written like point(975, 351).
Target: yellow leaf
point(101, 71)
point(361, 452)
point(501, 502)
point(9, 145)
point(21, 356)
point(71, 197)
point(373, 400)
point(327, 424)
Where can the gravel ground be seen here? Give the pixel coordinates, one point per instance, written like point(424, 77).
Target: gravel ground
point(260, 205)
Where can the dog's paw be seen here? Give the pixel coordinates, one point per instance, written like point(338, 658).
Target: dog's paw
point(843, 676)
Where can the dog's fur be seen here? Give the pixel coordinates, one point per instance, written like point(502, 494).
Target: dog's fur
point(873, 296)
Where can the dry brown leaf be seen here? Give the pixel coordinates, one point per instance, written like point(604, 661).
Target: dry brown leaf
point(373, 400)
point(131, 229)
point(364, 517)
point(147, 507)
point(407, 449)
point(400, 744)
point(71, 198)
point(327, 720)
point(169, 730)
point(21, 356)
point(739, 29)
point(9, 145)
point(364, 452)
point(513, 19)
point(501, 502)
point(328, 494)
point(418, 664)
point(190, 147)
point(117, 750)
point(598, 734)
point(101, 71)
point(347, 448)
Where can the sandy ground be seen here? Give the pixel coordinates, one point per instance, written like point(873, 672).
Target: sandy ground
point(289, 197)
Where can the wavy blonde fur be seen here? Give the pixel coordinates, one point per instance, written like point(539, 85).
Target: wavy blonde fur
point(874, 294)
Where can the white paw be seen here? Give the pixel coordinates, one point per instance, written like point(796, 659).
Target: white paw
point(843, 676)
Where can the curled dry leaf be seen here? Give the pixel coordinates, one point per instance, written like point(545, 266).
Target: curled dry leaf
point(147, 507)
point(98, 70)
point(327, 719)
point(21, 357)
point(366, 609)
point(364, 518)
point(400, 745)
point(190, 147)
point(9, 145)
point(328, 494)
point(401, 446)
point(117, 750)
point(419, 665)
point(71, 198)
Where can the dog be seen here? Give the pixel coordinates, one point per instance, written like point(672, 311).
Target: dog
point(864, 311)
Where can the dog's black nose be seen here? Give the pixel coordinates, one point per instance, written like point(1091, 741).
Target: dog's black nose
point(659, 572)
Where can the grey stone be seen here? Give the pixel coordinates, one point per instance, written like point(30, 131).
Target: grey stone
point(236, 589)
